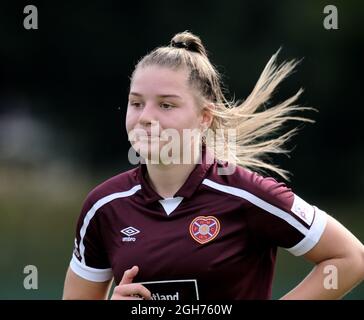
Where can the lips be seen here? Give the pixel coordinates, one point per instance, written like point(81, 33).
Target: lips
point(148, 136)
point(152, 135)
point(139, 132)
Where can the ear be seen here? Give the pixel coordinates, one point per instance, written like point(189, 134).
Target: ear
point(207, 116)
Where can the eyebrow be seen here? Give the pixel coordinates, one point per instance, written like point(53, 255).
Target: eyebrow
point(159, 96)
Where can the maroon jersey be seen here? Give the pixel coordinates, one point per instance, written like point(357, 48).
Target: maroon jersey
point(219, 233)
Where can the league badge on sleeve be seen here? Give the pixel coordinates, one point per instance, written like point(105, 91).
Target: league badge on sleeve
point(303, 210)
point(204, 229)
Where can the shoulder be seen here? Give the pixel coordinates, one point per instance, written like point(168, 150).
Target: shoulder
point(122, 184)
point(250, 185)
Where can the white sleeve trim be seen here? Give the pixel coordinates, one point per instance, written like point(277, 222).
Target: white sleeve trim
point(88, 273)
point(90, 214)
point(313, 235)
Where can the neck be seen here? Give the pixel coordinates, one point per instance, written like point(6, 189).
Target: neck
point(166, 180)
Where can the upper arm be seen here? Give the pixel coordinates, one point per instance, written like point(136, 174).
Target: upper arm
point(336, 242)
point(280, 218)
point(77, 288)
point(89, 274)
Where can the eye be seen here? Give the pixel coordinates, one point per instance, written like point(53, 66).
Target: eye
point(135, 104)
point(166, 106)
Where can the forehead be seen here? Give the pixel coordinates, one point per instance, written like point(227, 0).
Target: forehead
point(160, 80)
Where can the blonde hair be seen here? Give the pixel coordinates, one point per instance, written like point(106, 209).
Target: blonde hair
point(250, 118)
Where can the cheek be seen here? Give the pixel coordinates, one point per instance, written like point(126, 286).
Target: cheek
point(192, 121)
point(187, 117)
point(129, 121)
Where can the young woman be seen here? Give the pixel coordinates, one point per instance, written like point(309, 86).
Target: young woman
point(207, 227)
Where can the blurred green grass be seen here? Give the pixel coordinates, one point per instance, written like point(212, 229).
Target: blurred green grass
point(38, 213)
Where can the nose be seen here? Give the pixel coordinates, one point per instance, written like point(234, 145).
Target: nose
point(148, 115)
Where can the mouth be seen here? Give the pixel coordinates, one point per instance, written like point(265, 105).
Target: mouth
point(148, 137)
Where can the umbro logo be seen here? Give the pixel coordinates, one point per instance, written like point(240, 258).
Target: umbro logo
point(129, 232)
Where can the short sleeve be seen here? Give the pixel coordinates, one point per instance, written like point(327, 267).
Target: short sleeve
point(89, 258)
point(281, 218)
